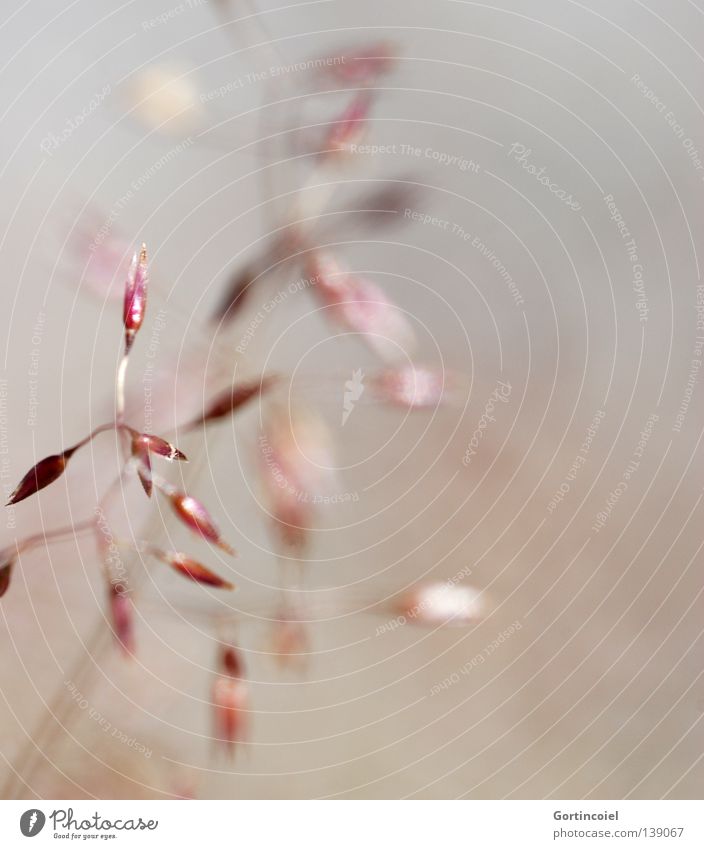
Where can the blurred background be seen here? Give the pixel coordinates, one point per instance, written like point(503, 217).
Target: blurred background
point(527, 189)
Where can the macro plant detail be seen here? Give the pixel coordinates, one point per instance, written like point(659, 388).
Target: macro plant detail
point(295, 448)
point(351, 415)
point(139, 449)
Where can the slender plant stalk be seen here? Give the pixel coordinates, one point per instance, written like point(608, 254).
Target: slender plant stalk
point(120, 389)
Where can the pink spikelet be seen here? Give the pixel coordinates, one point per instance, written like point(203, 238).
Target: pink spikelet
point(140, 453)
point(358, 304)
point(327, 276)
point(160, 446)
point(192, 569)
point(230, 700)
point(287, 504)
point(410, 387)
point(194, 515)
point(142, 446)
point(351, 125)
point(135, 296)
point(122, 615)
point(364, 65)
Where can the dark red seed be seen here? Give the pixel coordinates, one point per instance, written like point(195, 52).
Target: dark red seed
point(160, 446)
point(236, 292)
point(229, 401)
point(45, 472)
point(231, 661)
point(5, 576)
point(140, 451)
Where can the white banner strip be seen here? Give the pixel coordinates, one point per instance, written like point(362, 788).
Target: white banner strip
point(355, 824)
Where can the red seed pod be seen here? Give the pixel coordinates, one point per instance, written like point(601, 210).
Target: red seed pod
point(121, 612)
point(230, 699)
point(45, 472)
point(237, 290)
point(229, 401)
point(192, 569)
point(160, 446)
point(157, 445)
point(140, 451)
point(231, 661)
point(6, 568)
point(193, 513)
point(135, 296)
point(351, 124)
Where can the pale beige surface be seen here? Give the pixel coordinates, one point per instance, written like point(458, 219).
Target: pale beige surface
point(599, 693)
